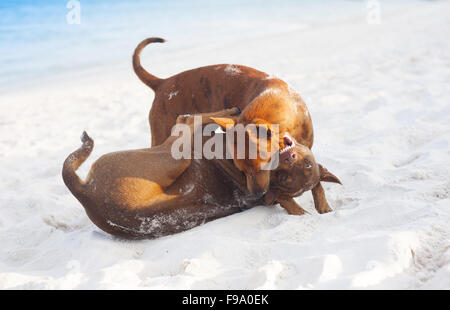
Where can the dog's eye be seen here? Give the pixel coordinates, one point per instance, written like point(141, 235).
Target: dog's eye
point(308, 164)
point(282, 176)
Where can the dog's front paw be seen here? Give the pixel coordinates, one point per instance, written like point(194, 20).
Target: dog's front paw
point(183, 119)
point(324, 208)
point(298, 211)
point(234, 111)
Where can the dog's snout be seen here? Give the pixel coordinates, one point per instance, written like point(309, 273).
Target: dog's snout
point(290, 158)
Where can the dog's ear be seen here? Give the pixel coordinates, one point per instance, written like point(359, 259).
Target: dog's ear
point(224, 122)
point(327, 176)
point(269, 198)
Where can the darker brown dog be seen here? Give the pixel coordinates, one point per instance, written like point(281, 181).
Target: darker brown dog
point(263, 100)
point(147, 193)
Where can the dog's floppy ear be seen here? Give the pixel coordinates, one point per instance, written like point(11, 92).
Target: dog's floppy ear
point(327, 176)
point(269, 198)
point(224, 122)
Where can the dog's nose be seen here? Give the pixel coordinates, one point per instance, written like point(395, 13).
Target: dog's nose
point(290, 158)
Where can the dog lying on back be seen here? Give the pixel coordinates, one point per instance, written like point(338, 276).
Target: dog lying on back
point(147, 193)
point(263, 100)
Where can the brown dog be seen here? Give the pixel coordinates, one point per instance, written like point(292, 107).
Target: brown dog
point(147, 193)
point(263, 100)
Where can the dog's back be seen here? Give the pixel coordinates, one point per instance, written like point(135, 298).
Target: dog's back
point(202, 90)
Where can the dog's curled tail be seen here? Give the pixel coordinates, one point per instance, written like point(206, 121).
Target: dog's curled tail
point(73, 162)
point(148, 79)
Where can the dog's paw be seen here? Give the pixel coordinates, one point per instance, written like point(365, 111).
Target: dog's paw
point(183, 119)
point(324, 209)
point(234, 111)
point(299, 211)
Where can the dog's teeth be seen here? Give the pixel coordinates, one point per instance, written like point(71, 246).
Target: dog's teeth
point(285, 149)
point(288, 147)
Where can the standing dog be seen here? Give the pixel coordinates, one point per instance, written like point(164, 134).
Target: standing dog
point(263, 100)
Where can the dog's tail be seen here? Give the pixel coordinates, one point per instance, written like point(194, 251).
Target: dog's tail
point(148, 79)
point(71, 164)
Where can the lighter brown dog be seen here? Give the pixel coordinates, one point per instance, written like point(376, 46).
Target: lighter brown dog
point(263, 100)
point(146, 193)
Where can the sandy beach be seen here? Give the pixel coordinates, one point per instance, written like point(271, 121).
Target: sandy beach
point(378, 95)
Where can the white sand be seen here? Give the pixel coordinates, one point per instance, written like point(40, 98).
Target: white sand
point(380, 101)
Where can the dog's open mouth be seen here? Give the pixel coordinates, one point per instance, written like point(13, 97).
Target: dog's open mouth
point(288, 143)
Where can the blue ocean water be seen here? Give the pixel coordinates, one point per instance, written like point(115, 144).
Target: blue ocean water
point(36, 40)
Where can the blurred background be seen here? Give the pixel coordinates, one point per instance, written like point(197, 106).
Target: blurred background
point(36, 41)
